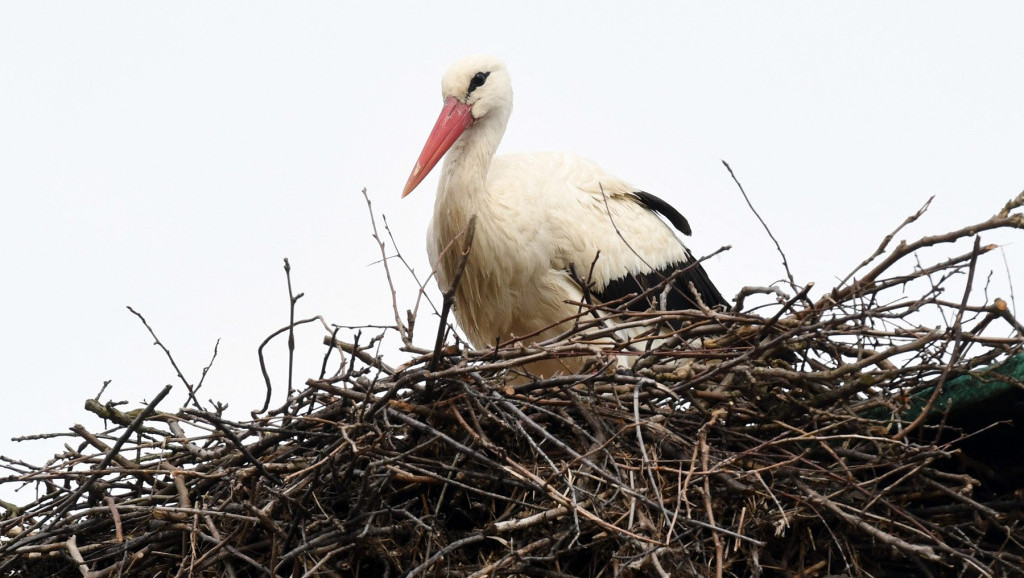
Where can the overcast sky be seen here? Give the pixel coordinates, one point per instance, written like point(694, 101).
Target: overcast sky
point(168, 156)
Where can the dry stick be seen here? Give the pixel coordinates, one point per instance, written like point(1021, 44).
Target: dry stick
point(863, 284)
point(767, 345)
point(191, 447)
point(520, 471)
point(787, 306)
point(645, 460)
point(449, 294)
point(585, 299)
point(748, 290)
point(911, 522)
point(532, 520)
point(215, 554)
point(263, 362)
point(188, 386)
point(113, 567)
point(925, 552)
point(416, 424)
point(785, 264)
point(115, 515)
point(422, 293)
point(572, 501)
point(451, 546)
point(206, 369)
point(953, 357)
point(361, 354)
point(329, 342)
point(176, 511)
point(606, 475)
point(235, 552)
point(1004, 313)
point(888, 238)
point(657, 564)
point(402, 330)
point(72, 546)
point(121, 460)
point(989, 513)
point(292, 299)
point(29, 536)
point(705, 450)
point(313, 570)
point(222, 427)
point(406, 379)
point(845, 369)
point(179, 484)
point(947, 267)
point(1014, 203)
point(489, 570)
point(208, 521)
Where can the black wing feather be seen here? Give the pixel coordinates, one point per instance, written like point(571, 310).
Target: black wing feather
point(677, 298)
point(658, 205)
point(682, 273)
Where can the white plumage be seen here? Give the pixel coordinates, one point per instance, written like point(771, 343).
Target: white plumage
point(539, 216)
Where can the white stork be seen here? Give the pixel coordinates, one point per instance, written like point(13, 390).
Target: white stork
point(544, 220)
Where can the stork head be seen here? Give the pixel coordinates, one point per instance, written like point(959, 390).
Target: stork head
point(474, 88)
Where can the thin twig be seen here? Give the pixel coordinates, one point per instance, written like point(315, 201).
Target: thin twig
point(778, 247)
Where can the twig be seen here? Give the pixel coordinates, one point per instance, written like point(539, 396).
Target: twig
point(778, 247)
point(925, 552)
point(451, 546)
point(167, 352)
point(292, 299)
point(263, 363)
point(70, 500)
point(403, 331)
point(449, 293)
point(954, 356)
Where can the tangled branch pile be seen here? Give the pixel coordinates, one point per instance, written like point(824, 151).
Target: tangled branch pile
point(833, 437)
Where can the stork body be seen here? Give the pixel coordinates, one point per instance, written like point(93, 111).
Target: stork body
point(544, 221)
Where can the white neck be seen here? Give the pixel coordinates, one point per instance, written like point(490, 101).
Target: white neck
point(464, 173)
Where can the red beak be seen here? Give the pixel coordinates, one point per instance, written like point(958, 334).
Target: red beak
point(455, 118)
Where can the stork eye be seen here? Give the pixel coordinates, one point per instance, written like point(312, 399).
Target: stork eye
point(477, 81)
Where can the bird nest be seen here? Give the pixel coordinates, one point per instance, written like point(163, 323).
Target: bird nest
point(842, 436)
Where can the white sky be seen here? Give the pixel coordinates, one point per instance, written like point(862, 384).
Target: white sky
point(167, 156)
